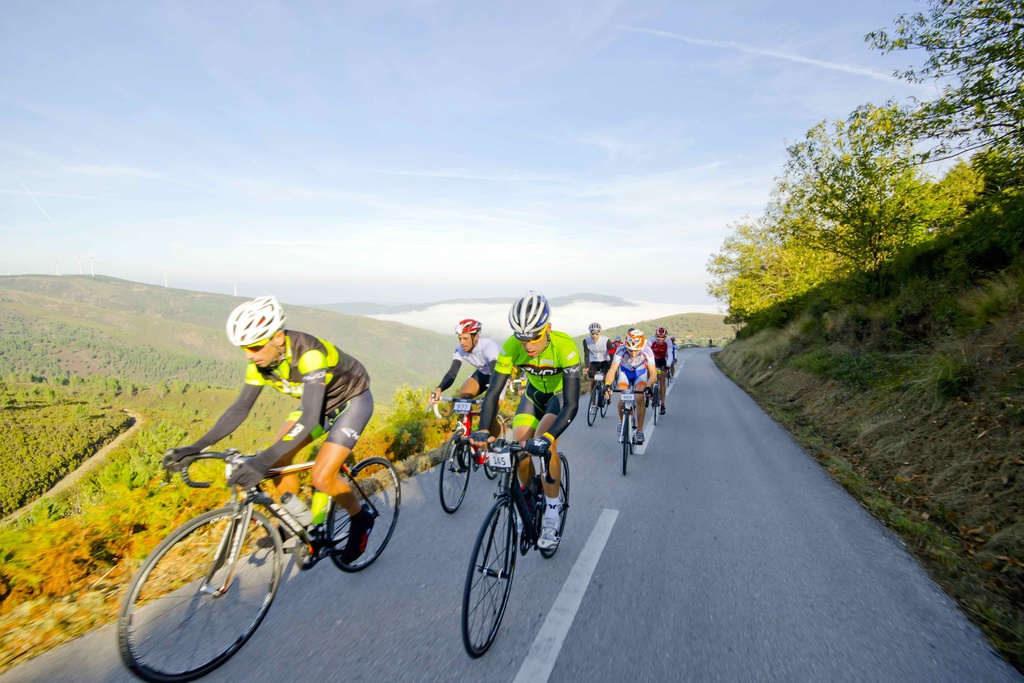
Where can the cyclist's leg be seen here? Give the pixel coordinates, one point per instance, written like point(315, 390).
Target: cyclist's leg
point(621, 383)
point(639, 386)
point(342, 438)
point(555, 465)
point(524, 426)
point(477, 384)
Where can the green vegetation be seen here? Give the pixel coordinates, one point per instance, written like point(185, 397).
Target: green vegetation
point(49, 430)
point(883, 310)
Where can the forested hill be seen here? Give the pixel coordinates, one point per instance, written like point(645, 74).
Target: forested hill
point(79, 325)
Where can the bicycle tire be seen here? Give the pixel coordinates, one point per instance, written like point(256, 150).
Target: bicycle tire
point(379, 480)
point(592, 408)
point(454, 473)
point(563, 499)
point(627, 439)
point(604, 407)
point(656, 405)
point(489, 578)
point(168, 588)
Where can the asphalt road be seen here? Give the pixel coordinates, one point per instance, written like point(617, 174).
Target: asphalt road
point(726, 554)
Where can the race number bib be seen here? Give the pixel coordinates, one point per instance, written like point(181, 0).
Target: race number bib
point(499, 461)
point(462, 407)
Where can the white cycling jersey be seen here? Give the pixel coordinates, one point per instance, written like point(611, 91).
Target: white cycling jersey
point(645, 357)
point(481, 357)
point(598, 350)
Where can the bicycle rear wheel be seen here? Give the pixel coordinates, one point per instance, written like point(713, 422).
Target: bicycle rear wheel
point(563, 500)
point(179, 620)
point(454, 474)
point(382, 493)
point(489, 578)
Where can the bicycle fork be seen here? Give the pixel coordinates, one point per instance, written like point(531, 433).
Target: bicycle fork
point(228, 551)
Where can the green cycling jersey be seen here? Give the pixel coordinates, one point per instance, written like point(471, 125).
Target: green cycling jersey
point(545, 372)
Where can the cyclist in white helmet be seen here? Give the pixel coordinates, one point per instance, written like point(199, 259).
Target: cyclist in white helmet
point(551, 364)
point(597, 354)
point(335, 392)
point(482, 354)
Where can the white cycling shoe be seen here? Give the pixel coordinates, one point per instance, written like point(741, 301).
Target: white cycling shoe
point(548, 534)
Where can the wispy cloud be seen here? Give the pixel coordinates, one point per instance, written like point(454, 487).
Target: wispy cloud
point(777, 54)
point(99, 171)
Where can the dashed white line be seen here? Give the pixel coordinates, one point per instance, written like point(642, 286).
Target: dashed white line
point(539, 662)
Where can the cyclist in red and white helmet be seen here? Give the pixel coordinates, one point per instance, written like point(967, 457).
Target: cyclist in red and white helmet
point(334, 389)
point(633, 366)
point(660, 348)
point(482, 354)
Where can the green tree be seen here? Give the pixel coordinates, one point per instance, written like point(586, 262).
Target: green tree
point(854, 191)
point(975, 50)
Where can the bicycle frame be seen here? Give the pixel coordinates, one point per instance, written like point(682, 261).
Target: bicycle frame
point(509, 484)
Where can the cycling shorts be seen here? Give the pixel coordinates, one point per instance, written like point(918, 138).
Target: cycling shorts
point(534, 405)
point(660, 363)
point(483, 380)
point(600, 366)
point(345, 425)
point(630, 376)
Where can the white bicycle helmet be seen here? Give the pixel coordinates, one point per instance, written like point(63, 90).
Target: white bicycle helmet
point(528, 316)
point(255, 321)
point(595, 328)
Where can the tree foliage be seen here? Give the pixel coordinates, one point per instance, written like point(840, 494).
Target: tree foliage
point(975, 50)
point(854, 191)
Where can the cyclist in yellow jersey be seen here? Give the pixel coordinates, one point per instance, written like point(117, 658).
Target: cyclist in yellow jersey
point(551, 365)
point(335, 392)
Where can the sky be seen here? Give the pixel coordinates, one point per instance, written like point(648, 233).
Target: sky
point(406, 151)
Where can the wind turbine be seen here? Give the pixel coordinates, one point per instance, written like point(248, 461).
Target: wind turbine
point(91, 266)
point(165, 279)
point(79, 259)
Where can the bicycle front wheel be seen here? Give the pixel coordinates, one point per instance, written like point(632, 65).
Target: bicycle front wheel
point(563, 503)
point(627, 439)
point(454, 474)
point(656, 404)
point(489, 578)
point(376, 484)
point(194, 602)
point(592, 408)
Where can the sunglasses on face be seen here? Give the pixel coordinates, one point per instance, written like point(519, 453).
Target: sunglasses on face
point(525, 339)
point(253, 348)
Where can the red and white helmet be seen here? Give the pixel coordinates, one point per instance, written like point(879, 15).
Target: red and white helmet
point(661, 332)
point(635, 340)
point(469, 326)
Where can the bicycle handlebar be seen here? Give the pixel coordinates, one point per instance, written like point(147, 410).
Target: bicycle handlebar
point(209, 455)
point(445, 399)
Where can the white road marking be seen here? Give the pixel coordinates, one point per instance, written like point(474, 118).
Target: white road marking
point(649, 431)
point(539, 662)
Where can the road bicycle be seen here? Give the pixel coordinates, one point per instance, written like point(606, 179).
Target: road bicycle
point(460, 458)
point(598, 403)
point(627, 436)
point(503, 533)
point(200, 595)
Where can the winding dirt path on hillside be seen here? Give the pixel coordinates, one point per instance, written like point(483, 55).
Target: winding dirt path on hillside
point(87, 467)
